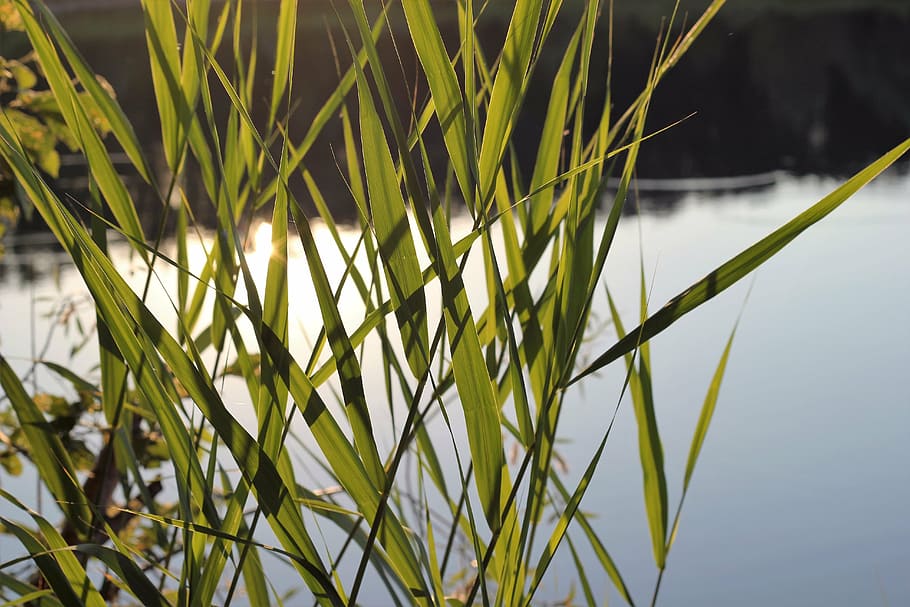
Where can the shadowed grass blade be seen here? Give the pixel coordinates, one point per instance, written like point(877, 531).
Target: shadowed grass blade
point(346, 358)
point(443, 86)
point(55, 559)
point(393, 232)
point(130, 574)
point(347, 466)
point(47, 451)
point(70, 586)
point(508, 87)
point(140, 337)
point(27, 594)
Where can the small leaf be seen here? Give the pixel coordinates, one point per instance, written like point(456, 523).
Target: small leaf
point(25, 77)
point(11, 462)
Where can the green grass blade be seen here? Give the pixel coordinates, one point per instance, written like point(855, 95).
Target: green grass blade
point(742, 264)
point(54, 558)
point(79, 383)
point(192, 70)
point(345, 356)
point(109, 108)
point(431, 554)
point(329, 109)
point(164, 59)
point(471, 377)
point(582, 573)
point(475, 387)
point(443, 86)
point(272, 398)
point(532, 345)
point(698, 439)
point(75, 114)
point(600, 551)
point(346, 465)
point(393, 233)
point(68, 585)
point(701, 430)
point(707, 412)
point(284, 54)
point(546, 165)
point(124, 312)
point(649, 446)
point(27, 594)
point(466, 27)
point(508, 88)
point(255, 580)
point(232, 524)
point(562, 524)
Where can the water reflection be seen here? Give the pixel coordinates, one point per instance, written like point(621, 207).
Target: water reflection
point(31, 258)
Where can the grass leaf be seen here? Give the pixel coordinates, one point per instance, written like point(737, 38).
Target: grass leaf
point(731, 272)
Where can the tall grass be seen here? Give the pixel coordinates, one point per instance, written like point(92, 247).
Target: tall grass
point(502, 369)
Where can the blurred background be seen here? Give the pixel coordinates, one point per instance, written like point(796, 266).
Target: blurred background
point(810, 87)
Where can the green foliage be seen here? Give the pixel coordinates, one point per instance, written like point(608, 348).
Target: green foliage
point(484, 375)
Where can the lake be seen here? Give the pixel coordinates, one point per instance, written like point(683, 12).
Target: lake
point(802, 489)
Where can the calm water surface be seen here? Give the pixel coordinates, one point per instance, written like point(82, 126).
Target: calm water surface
point(803, 488)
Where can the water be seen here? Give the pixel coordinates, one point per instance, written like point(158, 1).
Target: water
point(801, 492)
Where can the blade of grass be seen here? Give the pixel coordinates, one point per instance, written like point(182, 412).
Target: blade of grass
point(27, 594)
point(131, 575)
point(649, 445)
point(345, 356)
point(469, 368)
point(47, 451)
point(100, 165)
point(55, 559)
point(124, 312)
point(393, 232)
point(508, 87)
point(698, 439)
point(443, 86)
point(108, 106)
point(600, 551)
point(164, 59)
point(284, 54)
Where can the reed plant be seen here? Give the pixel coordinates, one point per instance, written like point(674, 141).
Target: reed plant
point(486, 375)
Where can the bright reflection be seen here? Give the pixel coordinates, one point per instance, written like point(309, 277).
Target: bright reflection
point(262, 238)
